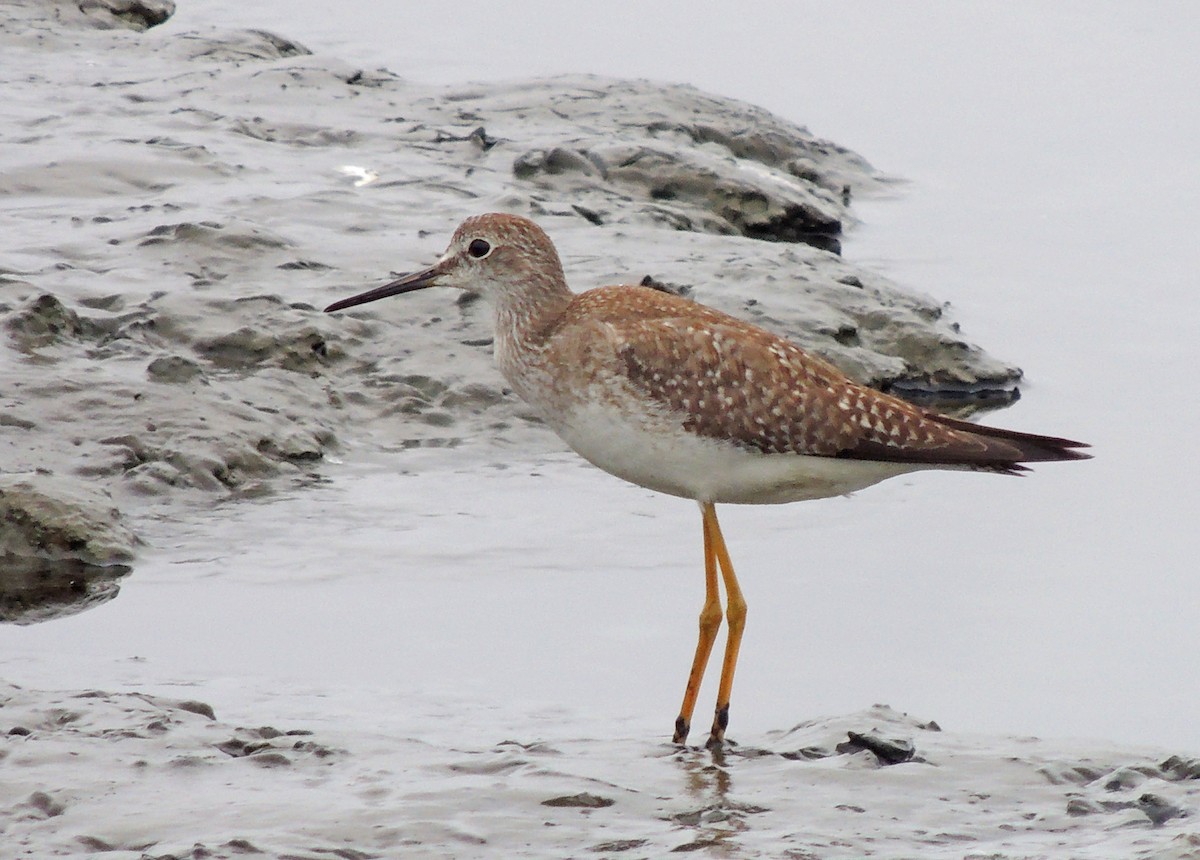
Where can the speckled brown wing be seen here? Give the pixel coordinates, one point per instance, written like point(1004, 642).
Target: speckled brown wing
point(732, 381)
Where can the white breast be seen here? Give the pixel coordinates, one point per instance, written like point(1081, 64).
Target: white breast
point(654, 450)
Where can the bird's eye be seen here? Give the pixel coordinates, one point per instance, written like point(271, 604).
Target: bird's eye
point(479, 249)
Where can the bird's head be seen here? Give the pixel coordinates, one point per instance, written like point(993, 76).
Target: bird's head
point(496, 255)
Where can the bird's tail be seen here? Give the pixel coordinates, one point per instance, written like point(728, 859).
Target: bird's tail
point(1027, 447)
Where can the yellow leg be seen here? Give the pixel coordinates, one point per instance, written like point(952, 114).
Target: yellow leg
point(735, 613)
point(710, 622)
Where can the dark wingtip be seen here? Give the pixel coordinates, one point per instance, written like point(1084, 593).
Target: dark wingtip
point(1027, 447)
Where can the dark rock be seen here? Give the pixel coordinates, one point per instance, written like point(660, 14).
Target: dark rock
point(734, 199)
point(664, 287)
point(45, 320)
point(173, 368)
point(889, 750)
point(1158, 809)
point(1178, 768)
point(133, 14)
point(242, 45)
point(49, 518)
point(583, 800)
point(1075, 774)
point(194, 707)
point(45, 804)
point(807, 754)
point(1124, 779)
point(1077, 806)
point(271, 759)
point(242, 846)
point(589, 214)
point(8, 420)
point(617, 846)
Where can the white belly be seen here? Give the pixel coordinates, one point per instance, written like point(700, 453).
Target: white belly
point(659, 454)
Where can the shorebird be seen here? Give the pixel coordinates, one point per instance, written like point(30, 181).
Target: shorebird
point(678, 397)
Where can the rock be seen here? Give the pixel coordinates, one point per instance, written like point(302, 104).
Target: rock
point(241, 46)
point(62, 548)
point(1123, 779)
point(1077, 806)
point(49, 518)
point(1179, 768)
point(115, 14)
point(192, 706)
point(173, 368)
point(583, 800)
point(889, 750)
point(734, 198)
point(1158, 809)
point(45, 320)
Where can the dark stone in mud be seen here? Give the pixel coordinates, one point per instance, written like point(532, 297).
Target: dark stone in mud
point(1075, 774)
point(173, 368)
point(695, 190)
point(281, 337)
point(214, 235)
point(256, 744)
point(665, 287)
point(554, 161)
point(1123, 779)
point(45, 805)
point(241, 46)
point(7, 420)
point(45, 320)
point(811, 753)
point(1158, 809)
point(133, 14)
point(60, 520)
point(889, 750)
point(296, 447)
point(583, 800)
point(617, 845)
point(202, 708)
point(1077, 806)
point(1179, 768)
point(473, 397)
point(94, 843)
point(271, 759)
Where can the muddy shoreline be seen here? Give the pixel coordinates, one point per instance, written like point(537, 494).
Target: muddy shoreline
point(181, 207)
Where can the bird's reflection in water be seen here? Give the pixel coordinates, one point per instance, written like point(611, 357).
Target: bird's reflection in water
point(715, 819)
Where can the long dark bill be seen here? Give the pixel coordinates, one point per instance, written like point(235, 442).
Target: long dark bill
point(402, 284)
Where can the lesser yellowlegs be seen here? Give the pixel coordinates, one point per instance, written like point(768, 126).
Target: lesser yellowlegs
point(683, 399)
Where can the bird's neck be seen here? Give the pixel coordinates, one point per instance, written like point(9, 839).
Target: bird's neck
point(524, 321)
point(524, 316)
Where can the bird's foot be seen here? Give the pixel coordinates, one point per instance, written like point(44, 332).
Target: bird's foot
point(682, 727)
point(716, 738)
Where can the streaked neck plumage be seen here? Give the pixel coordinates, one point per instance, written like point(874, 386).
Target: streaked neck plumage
point(525, 308)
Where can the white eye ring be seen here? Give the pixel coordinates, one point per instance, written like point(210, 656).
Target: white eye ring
point(479, 248)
